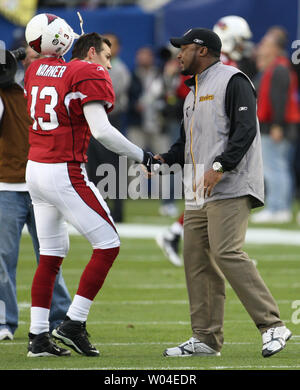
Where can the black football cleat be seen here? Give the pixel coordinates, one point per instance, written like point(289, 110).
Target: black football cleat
point(74, 335)
point(42, 345)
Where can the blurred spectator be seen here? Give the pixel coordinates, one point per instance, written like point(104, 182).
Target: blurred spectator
point(146, 107)
point(237, 48)
point(146, 103)
point(175, 92)
point(31, 56)
point(16, 208)
point(278, 113)
point(121, 78)
point(97, 153)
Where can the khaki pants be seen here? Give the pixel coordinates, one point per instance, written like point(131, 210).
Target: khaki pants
point(213, 240)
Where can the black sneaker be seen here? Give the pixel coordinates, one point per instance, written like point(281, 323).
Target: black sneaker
point(42, 345)
point(74, 335)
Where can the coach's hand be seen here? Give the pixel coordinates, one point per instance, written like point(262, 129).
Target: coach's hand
point(150, 162)
point(211, 178)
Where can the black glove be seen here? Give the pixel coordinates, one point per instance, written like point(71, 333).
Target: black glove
point(149, 160)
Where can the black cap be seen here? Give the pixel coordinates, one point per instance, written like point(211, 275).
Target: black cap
point(200, 36)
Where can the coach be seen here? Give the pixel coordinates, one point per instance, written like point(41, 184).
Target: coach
point(220, 133)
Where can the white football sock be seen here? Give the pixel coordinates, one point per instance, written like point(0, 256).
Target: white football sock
point(39, 320)
point(79, 309)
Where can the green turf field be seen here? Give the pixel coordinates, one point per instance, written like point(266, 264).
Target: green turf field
point(143, 308)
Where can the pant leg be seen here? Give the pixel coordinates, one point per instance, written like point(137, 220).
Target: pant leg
point(277, 169)
point(227, 224)
point(205, 283)
point(54, 244)
point(285, 151)
point(61, 299)
point(12, 219)
point(269, 176)
point(63, 192)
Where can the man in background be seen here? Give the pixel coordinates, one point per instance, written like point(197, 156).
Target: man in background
point(279, 116)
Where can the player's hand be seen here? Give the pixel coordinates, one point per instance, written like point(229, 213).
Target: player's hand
point(158, 157)
point(150, 162)
point(211, 178)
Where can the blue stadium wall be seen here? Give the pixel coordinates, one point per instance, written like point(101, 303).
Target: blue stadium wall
point(137, 28)
point(180, 15)
point(134, 27)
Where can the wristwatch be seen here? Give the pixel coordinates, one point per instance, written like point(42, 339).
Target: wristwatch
point(217, 167)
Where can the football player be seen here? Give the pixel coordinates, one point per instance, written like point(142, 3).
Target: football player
point(237, 47)
point(68, 102)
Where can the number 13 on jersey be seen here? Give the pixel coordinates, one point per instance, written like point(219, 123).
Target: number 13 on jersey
point(45, 117)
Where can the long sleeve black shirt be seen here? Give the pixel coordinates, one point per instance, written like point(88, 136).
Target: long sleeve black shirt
point(240, 107)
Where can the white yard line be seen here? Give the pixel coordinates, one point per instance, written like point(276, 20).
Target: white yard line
point(253, 236)
point(26, 305)
point(131, 344)
point(164, 322)
point(167, 286)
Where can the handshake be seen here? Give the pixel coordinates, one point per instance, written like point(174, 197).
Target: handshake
point(151, 162)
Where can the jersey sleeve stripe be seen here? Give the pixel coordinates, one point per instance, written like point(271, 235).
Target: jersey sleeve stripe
point(73, 96)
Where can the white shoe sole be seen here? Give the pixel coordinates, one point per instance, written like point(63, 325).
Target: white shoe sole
point(204, 354)
point(280, 349)
point(41, 354)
